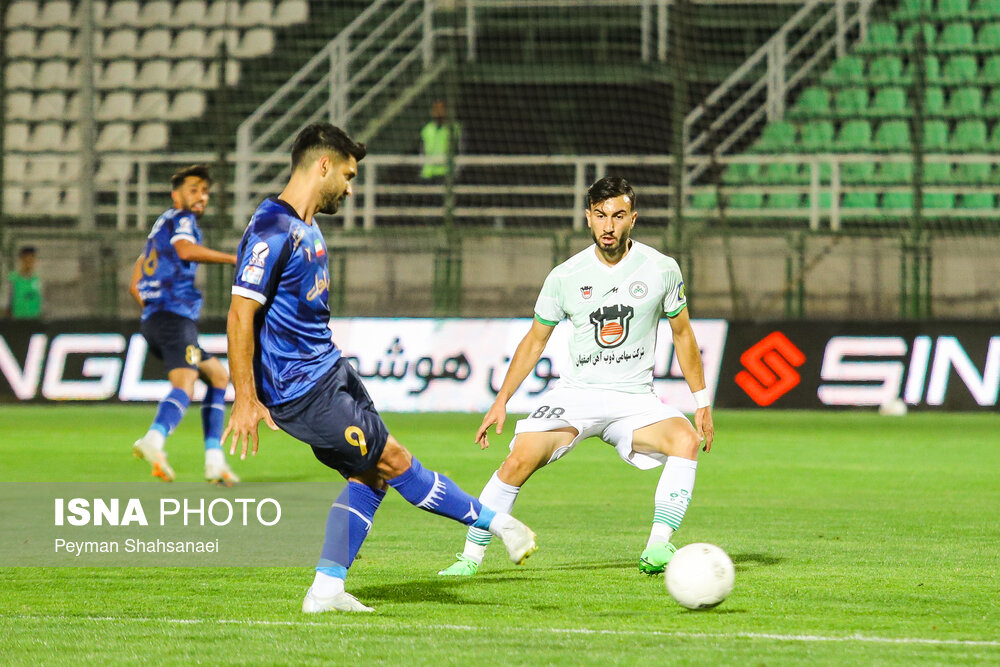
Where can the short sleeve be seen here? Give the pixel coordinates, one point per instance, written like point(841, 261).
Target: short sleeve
point(547, 308)
point(256, 265)
point(185, 228)
point(674, 296)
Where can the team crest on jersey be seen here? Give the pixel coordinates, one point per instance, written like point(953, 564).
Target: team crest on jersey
point(681, 294)
point(587, 291)
point(611, 324)
point(258, 256)
point(638, 289)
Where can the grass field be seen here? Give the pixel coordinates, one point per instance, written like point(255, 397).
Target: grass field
point(857, 539)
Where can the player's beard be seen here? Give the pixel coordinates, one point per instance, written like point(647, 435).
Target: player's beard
point(616, 250)
point(330, 203)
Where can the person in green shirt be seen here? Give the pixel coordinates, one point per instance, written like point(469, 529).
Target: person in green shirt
point(435, 142)
point(23, 290)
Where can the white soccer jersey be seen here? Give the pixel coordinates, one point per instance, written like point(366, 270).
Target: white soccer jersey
point(615, 311)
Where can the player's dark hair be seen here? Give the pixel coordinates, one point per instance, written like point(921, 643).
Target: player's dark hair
point(27, 250)
point(607, 188)
point(197, 170)
point(327, 138)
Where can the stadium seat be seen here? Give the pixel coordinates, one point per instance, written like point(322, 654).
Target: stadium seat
point(932, 70)
point(904, 200)
point(889, 101)
point(154, 74)
point(990, 72)
point(216, 15)
point(741, 173)
point(955, 37)
point(982, 200)
point(855, 135)
point(705, 200)
point(910, 34)
point(150, 137)
point(15, 168)
point(933, 101)
point(937, 173)
point(19, 74)
point(988, 38)
point(254, 13)
point(746, 200)
point(56, 14)
point(57, 74)
point(892, 136)
point(847, 70)
point(191, 43)
point(994, 143)
point(21, 13)
point(71, 140)
point(19, 106)
point(784, 200)
point(935, 136)
point(70, 204)
point(776, 137)
point(190, 14)
point(154, 13)
point(985, 10)
point(47, 137)
point(910, 9)
point(960, 69)
point(782, 174)
point(971, 173)
point(14, 199)
point(885, 69)
point(951, 9)
point(891, 173)
point(966, 102)
point(43, 200)
point(813, 101)
point(21, 44)
point(119, 44)
point(232, 78)
point(881, 37)
point(936, 200)
point(114, 137)
point(290, 12)
point(865, 199)
point(817, 137)
point(56, 43)
point(851, 102)
point(122, 13)
point(50, 105)
point(255, 42)
point(154, 44)
point(44, 169)
point(116, 106)
point(857, 173)
point(186, 105)
point(969, 135)
point(117, 74)
point(152, 105)
point(188, 74)
point(113, 169)
point(216, 37)
point(992, 105)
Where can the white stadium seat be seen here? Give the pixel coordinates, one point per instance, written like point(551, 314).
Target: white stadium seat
point(154, 44)
point(150, 137)
point(19, 74)
point(43, 200)
point(155, 13)
point(13, 199)
point(255, 42)
point(116, 106)
point(71, 140)
point(50, 105)
point(290, 12)
point(57, 74)
point(117, 74)
point(55, 14)
point(153, 74)
point(21, 44)
point(216, 37)
point(114, 137)
point(190, 13)
point(70, 204)
point(21, 13)
point(186, 105)
point(215, 17)
point(232, 74)
point(14, 168)
point(44, 169)
point(47, 137)
point(19, 106)
point(190, 43)
point(122, 13)
point(113, 169)
point(188, 74)
point(70, 170)
point(152, 105)
point(56, 43)
point(119, 44)
point(254, 13)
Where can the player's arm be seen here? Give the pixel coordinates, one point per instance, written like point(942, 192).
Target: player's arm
point(189, 251)
point(247, 409)
point(529, 350)
point(133, 283)
point(689, 357)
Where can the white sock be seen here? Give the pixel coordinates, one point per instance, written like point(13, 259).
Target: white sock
point(214, 457)
point(325, 586)
point(671, 499)
point(499, 497)
point(155, 437)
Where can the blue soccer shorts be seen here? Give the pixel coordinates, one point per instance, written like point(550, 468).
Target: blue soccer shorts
point(174, 339)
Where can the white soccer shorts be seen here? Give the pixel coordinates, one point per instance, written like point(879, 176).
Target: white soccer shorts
point(610, 415)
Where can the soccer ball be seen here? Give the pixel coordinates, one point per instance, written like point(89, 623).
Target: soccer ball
point(700, 576)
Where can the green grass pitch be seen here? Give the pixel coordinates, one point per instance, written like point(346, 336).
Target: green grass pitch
point(857, 539)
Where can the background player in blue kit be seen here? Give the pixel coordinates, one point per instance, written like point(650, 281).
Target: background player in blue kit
point(163, 284)
point(288, 372)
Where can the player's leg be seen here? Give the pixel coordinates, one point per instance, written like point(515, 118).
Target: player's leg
point(213, 417)
point(677, 440)
point(529, 452)
point(169, 413)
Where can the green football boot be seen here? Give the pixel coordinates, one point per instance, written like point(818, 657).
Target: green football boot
point(463, 567)
point(655, 558)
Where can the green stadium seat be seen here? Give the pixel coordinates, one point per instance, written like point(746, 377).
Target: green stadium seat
point(741, 173)
point(933, 101)
point(910, 34)
point(993, 145)
point(705, 200)
point(976, 200)
point(935, 136)
point(885, 69)
point(777, 137)
point(857, 173)
point(952, 9)
point(990, 72)
point(909, 9)
point(937, 173)
point(960, 69)
point(814, 101)
point(860, 200)
point(851, 102)
point(892, 136)
point(971, 174)
point(969, 135)
point(955, 37)
point(784, 200)
point(966, 102)
point(855, 135)
point(904, 200)
point(846, 70)
point(932, 70)
point(881, 37)
point(898, 200)
point(891, 173)
point(986, 10)
point(817, 137)
point(888, 102)
point(746, 200)
point(992, 106)
point(988, 38)
point(939, 200)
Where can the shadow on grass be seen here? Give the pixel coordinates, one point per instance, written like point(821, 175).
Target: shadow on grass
point(755, 560)
point(596, 565)
point(443, 590)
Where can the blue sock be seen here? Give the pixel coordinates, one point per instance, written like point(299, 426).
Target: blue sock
point(213, 416)
point(170, 412)
point(436, 493)
point(347, 526)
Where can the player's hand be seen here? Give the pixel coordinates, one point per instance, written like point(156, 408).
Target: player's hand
point(496, 415)
point(706, 429)
point(243, 422)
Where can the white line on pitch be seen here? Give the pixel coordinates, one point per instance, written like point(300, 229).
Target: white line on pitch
point(559, 631)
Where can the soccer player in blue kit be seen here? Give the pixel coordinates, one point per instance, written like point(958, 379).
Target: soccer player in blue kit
point(288, 372)
point(163, 285)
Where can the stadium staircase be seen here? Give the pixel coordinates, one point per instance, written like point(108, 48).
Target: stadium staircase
point(864, 105)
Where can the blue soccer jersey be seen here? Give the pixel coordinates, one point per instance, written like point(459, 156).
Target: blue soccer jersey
point(167, 282)
point(283, 265)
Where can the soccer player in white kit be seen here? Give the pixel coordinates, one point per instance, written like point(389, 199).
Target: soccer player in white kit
point(614, 294)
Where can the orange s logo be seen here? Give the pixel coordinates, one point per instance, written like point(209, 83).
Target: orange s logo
point(770, 368)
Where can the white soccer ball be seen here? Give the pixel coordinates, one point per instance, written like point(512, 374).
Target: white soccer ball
point(700, 576)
